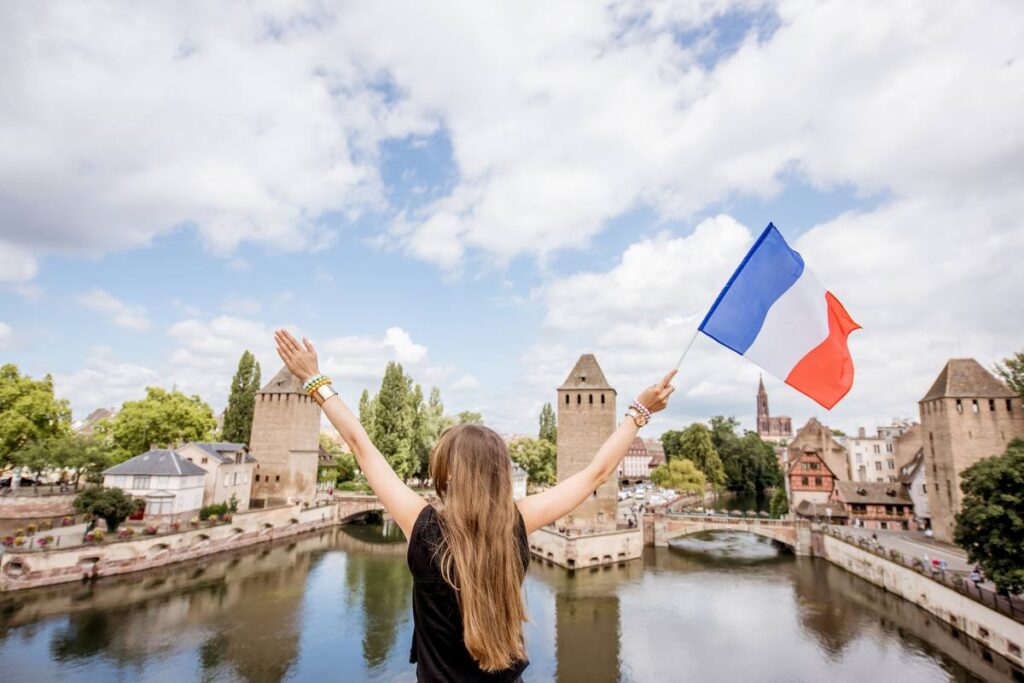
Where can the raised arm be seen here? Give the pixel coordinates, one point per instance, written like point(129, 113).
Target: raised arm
point(542, 509)
point(402, 502)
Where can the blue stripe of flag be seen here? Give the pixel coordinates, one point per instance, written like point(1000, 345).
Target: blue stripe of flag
point(766, 272)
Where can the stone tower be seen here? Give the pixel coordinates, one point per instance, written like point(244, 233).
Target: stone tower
point(285, 442)
point(966, 416)
point(762, 408)
point(586, 418)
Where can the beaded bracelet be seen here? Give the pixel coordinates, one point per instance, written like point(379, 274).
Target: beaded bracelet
point(315, 383)
point(309, 382)
point(642, 409)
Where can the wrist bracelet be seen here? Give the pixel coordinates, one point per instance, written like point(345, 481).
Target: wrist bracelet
point(639, 419)
point(642, 409)
point(322, 393)
point(314, 383)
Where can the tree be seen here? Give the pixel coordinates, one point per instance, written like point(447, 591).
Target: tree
point(537, 456)
point(428, 424)
point(468, 417)
point(548, 424)
point(990, 525)
point(366, 413)
point(109, 504)
point(694, 444)
point(779, 504)
point(680, 474)
point(242, 400)
point(90, 457)
point(163, 419)
point(749, 462)
point(393, 421)
point(1012, 372)
point(28, 411)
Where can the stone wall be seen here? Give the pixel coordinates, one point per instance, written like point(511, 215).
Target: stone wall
point(285, 443)
point(585, 422)
point(30, 507)
point(997, 632)
point(587, 550)
point(956, 438)
point(40, 568)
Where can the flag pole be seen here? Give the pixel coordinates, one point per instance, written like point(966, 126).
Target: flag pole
point(688, 345)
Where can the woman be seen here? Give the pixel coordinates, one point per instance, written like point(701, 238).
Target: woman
point(468, 557)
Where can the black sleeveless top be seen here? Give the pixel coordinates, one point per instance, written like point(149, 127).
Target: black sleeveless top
point(438, 648)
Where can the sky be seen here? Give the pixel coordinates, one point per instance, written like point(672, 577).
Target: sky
point(484, 191)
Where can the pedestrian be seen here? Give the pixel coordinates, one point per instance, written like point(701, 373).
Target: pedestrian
point(468, 555)
point(975, 578)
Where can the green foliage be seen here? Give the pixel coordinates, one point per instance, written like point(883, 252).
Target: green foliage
point(109, 504)
point(468, 417)
point(164, 419)
point(428, 423)
point(345, 466)
point(242, 400)
point(838, 432)
point(749, 463)
point(29, 412)
point(680, 474)
point(1012, 372)
point(990, 525)
point(548, 424)
point(218, 509)
point(694, 444)
point(357, 486)
point(779, 504)
point(537, 456)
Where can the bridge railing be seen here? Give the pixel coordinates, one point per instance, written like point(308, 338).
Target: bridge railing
point(721, 519)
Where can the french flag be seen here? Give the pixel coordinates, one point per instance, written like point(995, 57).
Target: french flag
point(776, 313)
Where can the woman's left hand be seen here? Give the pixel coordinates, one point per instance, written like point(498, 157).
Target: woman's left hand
point(299, 358)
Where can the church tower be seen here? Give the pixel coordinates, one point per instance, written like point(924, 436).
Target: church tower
point(285, 442)
point(762, 408)
point(586, 418)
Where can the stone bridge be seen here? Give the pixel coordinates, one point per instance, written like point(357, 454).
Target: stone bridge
point(660, 528)
point(351, 505)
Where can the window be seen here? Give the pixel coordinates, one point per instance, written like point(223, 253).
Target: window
point(877, 449)
point(817, 481)
point(277, 477)
point(602, 399)
point(1009, 405)
point(974, 405)
point(959, 406)
point(227, 480)
point(803, 481)
point(878, 465)
point(892, 465)
point(140, 481)
point(590, 399)
point(924, 488)
point(579, 399)
point(204, 460)
point(257, 477)
point(888, 448)
point(567, 399)
point(858, 458)
point(992, 405)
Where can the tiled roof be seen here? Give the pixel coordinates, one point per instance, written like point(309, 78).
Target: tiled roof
point(284, 382)
point(833, 508)
point(966, 378)
point(157, 462)
point(221, 449)
point(873, 493)
point(586, 374)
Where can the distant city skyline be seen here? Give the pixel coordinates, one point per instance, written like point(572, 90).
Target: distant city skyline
point(484, 200)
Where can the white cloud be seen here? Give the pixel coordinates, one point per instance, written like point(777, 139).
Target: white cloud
point(16, 265)
point(104, 381)
point(120, 314)
point(6, 333)
point(362, 359)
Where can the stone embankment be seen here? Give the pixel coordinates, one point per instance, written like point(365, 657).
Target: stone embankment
point(965, 615)
point(40, 568)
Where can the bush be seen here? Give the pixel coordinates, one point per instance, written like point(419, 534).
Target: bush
point(212, 519)
point(194, 521)
point(19, 541)
point(8, 541)
point(31, 529)
point(354, 486)
point(110, 504)
point(44, 541)
point(150, 530)
point(215, 510)
point(125, 533)
point(67, 521)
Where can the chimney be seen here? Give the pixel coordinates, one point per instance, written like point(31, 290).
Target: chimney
point(862, 433)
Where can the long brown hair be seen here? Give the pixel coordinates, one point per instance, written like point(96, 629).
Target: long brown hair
point(480, 556)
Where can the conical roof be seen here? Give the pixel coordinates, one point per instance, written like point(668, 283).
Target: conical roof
point(586, 374)
point(284, 382)
point(966, 378)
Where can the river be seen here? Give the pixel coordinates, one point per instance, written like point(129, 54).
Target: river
point(335, 605)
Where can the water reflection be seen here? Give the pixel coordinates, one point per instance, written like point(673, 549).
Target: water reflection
point(335, 605)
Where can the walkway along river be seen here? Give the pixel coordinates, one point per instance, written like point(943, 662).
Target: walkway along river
point(335, 605)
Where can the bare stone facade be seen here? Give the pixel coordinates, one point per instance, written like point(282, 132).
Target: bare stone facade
point(586, 418)
point(966, 416)
point(285, 443)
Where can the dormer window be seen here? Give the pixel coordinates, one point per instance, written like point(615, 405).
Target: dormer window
point(583, 379)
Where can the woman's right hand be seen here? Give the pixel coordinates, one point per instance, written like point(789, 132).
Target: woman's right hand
point(300, 359)
point(655, 397)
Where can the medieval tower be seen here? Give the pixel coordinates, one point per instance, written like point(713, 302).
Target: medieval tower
point(586, 418)
point(966, 416)
point(285, 442)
